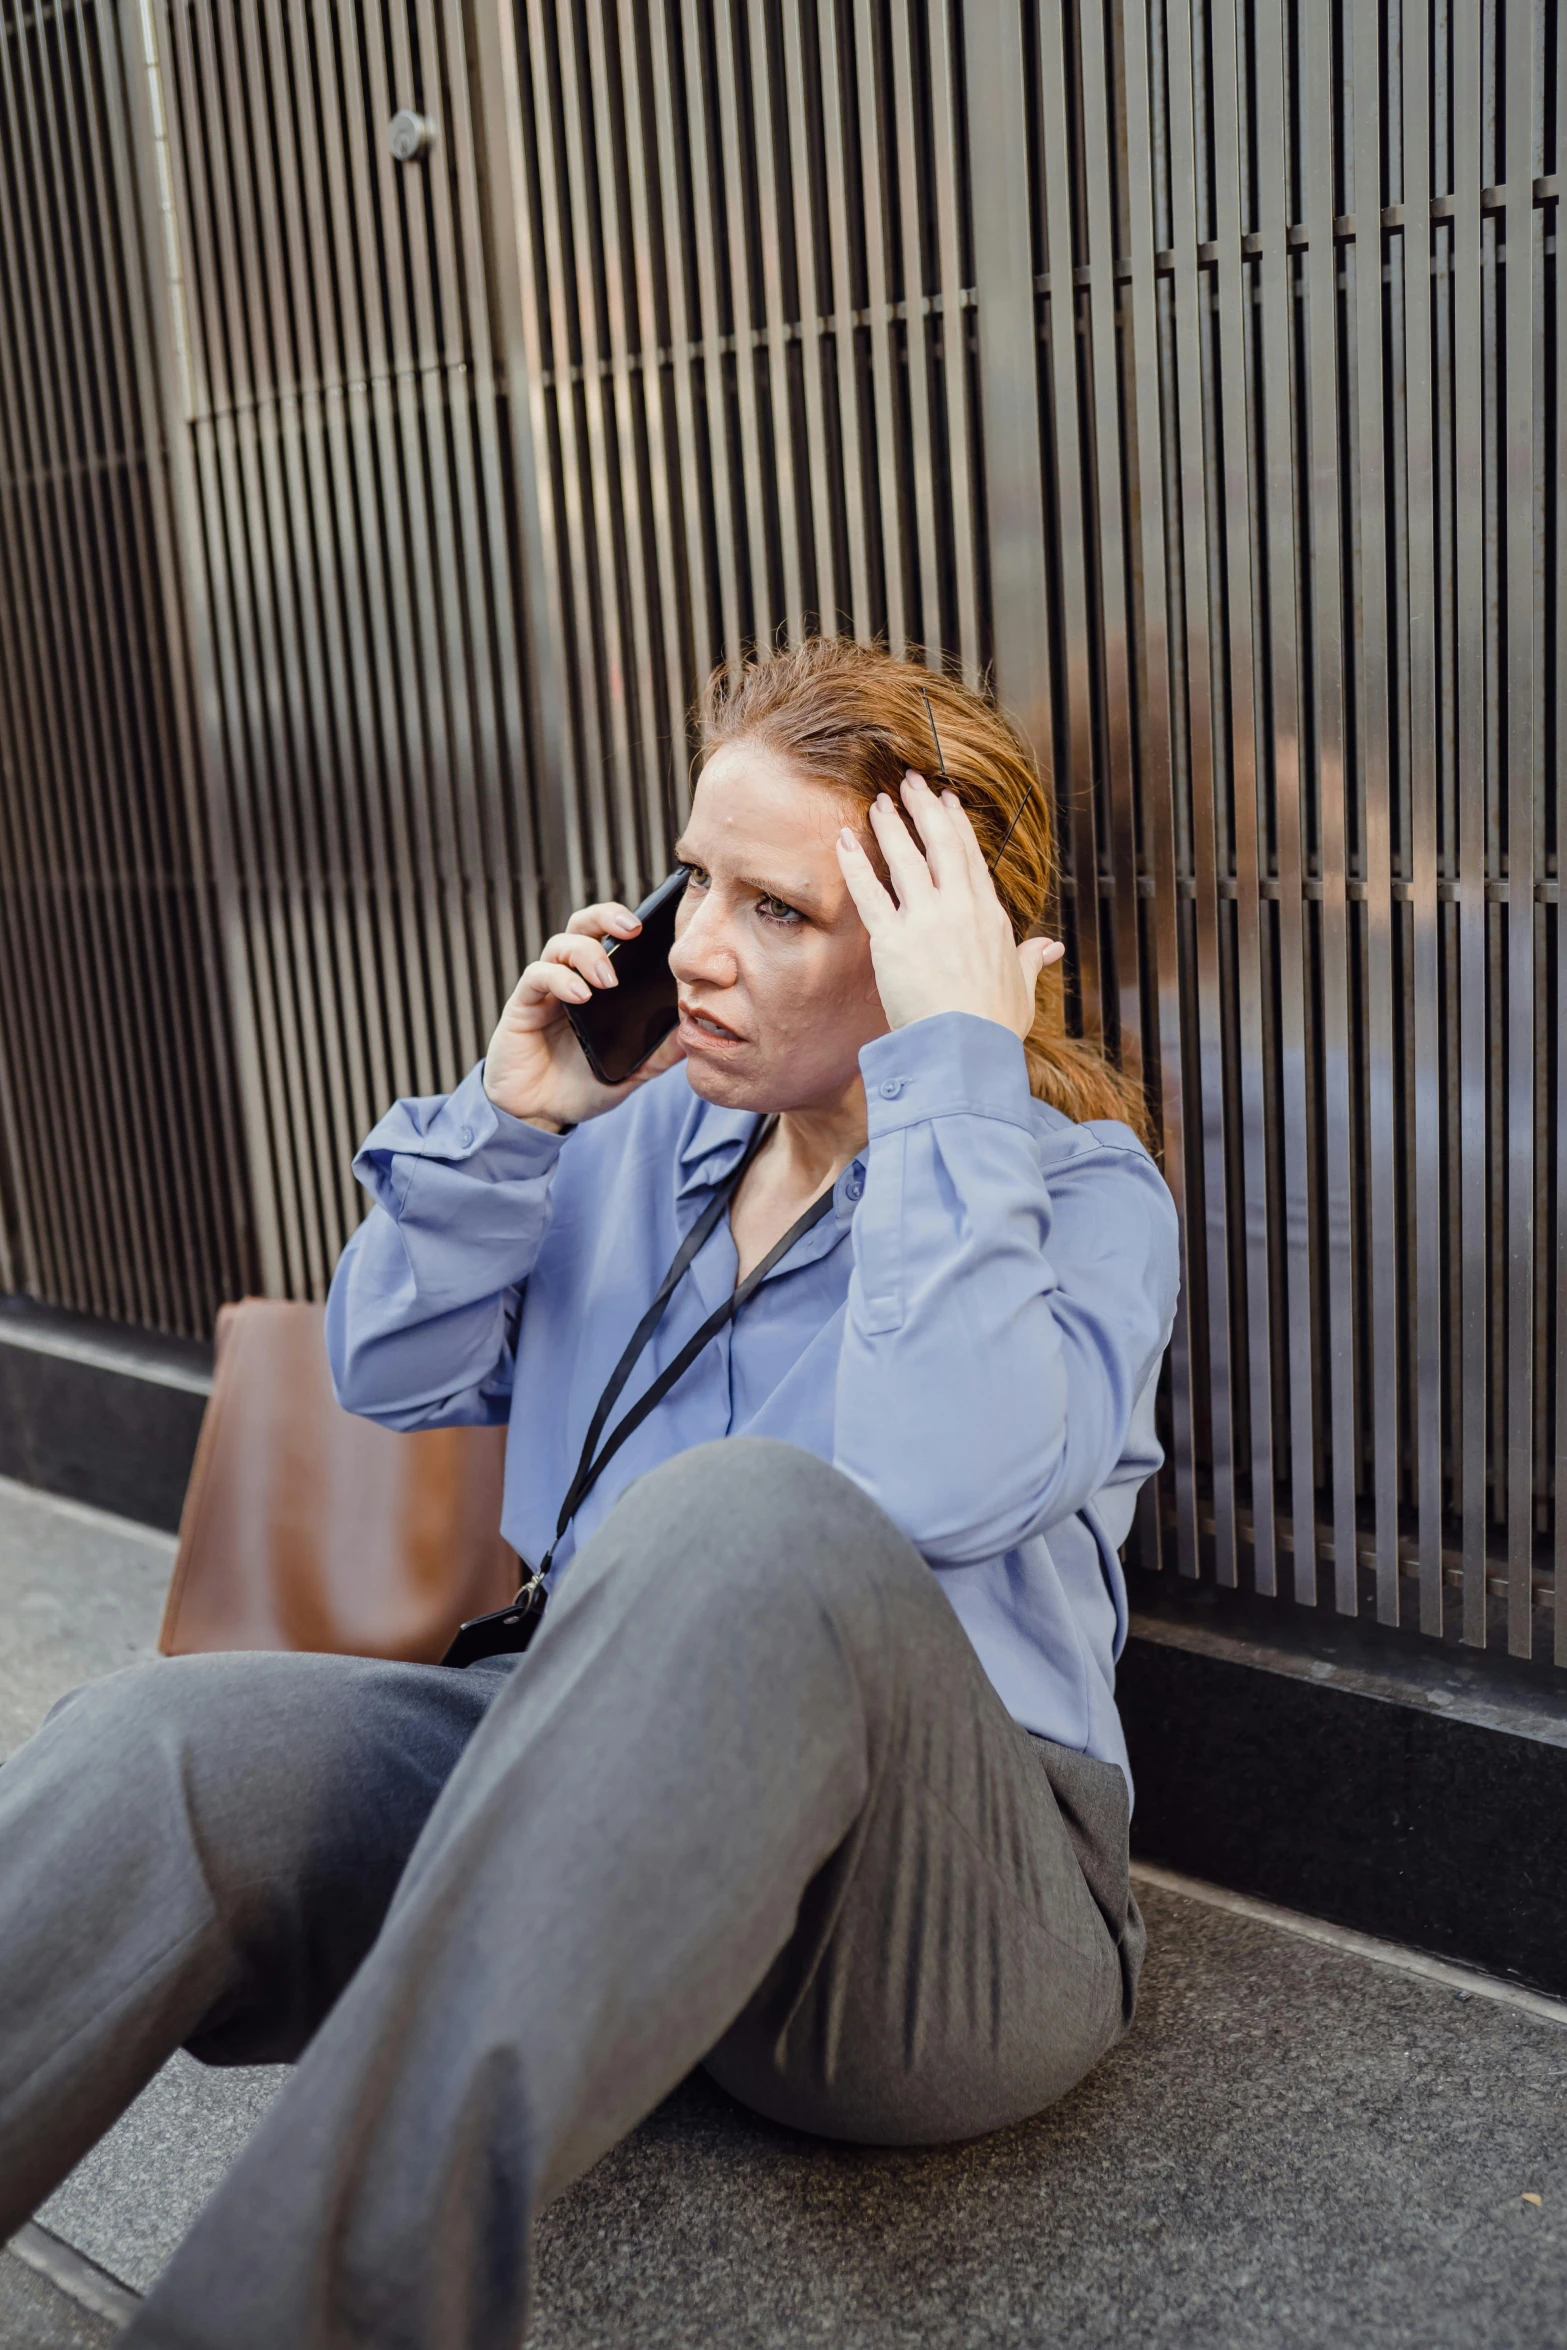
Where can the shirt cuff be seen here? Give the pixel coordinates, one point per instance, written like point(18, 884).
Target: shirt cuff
point(463, 1128)
point(952, 1065)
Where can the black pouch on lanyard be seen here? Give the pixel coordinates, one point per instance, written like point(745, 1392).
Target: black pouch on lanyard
point(508, 1630)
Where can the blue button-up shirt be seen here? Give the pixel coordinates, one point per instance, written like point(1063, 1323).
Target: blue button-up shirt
point(973, 1334)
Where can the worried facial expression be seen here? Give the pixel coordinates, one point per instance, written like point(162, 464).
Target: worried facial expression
point(772, 961)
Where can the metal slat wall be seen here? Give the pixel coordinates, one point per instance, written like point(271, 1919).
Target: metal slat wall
point(344, 463)
point(1192, 368)
point(1179, 367)
point(115, 1106)
point(745, 281)
point(1351, 308)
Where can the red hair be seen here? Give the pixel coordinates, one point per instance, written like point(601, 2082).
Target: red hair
point(855, 719)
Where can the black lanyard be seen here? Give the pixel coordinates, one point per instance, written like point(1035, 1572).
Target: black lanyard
point(512, 1628)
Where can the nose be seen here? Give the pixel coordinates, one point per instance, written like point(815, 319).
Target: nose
point(702, 955)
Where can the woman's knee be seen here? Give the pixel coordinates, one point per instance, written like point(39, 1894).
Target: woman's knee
point(211, 1746)
point(748, 1534)
point(265, 1765)
point(188, 1709)
point(219, 1718)
point(768, 1500)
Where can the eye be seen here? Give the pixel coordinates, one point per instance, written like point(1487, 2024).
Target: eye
point(696, 877)
point(780, 911)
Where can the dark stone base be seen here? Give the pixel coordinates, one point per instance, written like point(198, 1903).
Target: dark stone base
point(1409, 1788)
point(99, 1414)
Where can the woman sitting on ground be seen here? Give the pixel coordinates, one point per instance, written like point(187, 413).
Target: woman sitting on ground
point(813, 1773)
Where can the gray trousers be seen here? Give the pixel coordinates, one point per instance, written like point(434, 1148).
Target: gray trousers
point(749, 1801)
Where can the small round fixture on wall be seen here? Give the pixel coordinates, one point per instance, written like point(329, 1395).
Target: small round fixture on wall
point(410, 136)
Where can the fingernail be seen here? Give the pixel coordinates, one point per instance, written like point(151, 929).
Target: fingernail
point(846, 839)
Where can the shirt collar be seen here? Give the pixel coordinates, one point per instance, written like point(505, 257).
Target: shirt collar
point(710, 1145)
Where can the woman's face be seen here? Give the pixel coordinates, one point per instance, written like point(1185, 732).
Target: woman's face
point(773, 964)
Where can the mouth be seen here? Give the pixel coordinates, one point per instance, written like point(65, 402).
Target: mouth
point(699, 1030)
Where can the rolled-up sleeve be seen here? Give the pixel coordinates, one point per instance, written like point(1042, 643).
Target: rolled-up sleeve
point(1001, 1327)
point(422, 1316)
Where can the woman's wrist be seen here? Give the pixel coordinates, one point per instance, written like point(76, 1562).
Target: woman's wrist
point(910, 1016)
point(527, 1115)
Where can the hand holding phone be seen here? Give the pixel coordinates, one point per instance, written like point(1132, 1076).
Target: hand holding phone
point(620, 1030)
point(536, 1068)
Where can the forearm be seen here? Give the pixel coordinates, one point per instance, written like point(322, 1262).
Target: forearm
point(1000, 1328)
point(421, 1316)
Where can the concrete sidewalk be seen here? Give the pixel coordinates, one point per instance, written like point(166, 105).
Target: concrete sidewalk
point(1300, 2144)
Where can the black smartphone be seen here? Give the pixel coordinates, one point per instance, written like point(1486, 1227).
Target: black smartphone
point(620, 1026)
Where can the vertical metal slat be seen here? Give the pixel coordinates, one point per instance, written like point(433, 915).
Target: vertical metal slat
point(1522, 755)
point(1415, 251)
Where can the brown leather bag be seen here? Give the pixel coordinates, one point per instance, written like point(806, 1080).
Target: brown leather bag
point(305, 1527)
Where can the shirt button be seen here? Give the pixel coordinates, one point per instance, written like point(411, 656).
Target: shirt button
point(891, 1087)
point(853, 1188)
point(466, 1137)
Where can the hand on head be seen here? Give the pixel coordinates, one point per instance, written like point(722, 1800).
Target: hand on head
point(940, 938)
point(790, 951)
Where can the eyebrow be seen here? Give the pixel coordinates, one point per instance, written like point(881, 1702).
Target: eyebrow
point(802, 893)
